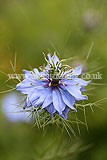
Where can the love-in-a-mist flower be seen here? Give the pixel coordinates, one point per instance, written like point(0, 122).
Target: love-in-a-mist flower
point(55, 88)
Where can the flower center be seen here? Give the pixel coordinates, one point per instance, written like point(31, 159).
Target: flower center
point(55, 82)
point(54, 78)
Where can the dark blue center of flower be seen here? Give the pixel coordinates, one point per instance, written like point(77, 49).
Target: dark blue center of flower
point(55, 82)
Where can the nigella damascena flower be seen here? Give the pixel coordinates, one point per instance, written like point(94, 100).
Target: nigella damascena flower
point(55, 88)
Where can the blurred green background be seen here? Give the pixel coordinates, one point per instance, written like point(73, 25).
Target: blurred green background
point(30, 27)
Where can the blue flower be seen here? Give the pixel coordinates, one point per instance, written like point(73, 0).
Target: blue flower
point(55, 88)
point(11, 110)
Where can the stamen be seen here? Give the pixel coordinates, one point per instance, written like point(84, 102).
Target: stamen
point(47, 60)
point(63, 84)
point(31, 84)
point(49, 84)
point(59, 82)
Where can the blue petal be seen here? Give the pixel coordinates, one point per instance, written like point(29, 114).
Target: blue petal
point(58, 103)
point(77, 71)
point(43, 73)
point(24, 86)
point(82, 89)
point(48, 100)
point(76, 81)
point(51, 109)
point(65, 112)
point(68, 99)
point(80, 81)
point(27, 73)
point(67, 73)
point(37, 73)
point(43, 94)
point(40, 100)
point(34, 96)
point(74, 91)
point(27, 86)
point(47, 66)
point(56, 59)
point(34, 75)
point(73, 72)
point(49, 58)
point(27, 102)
